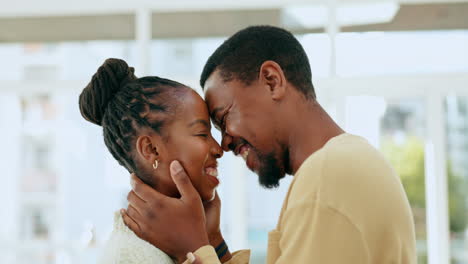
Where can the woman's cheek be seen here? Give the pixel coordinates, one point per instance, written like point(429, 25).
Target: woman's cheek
point(199, 155)
point(193, 162)
point(193, 153)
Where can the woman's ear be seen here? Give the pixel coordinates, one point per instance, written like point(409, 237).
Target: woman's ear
point(147, 148)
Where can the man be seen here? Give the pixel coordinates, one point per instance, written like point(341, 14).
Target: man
point(345, 204)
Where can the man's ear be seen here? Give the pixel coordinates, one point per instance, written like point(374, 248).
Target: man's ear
point(272, 76)
point(147, 148)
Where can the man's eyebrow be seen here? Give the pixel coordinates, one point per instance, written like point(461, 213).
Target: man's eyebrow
point(200, 121)
point(215, 112)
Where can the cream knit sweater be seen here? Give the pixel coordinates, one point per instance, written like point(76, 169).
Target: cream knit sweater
point(125, 247)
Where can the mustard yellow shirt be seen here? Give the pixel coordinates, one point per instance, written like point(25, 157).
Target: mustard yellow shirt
point(345, 205)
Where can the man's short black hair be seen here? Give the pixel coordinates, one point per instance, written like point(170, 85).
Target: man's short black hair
point(241, 56)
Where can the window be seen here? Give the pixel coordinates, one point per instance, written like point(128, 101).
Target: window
point(457, 175)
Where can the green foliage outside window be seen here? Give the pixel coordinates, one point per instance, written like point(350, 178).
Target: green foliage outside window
point(408, 161)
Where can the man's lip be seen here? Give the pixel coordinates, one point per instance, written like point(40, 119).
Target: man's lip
point(249, 165)
point(238, 148)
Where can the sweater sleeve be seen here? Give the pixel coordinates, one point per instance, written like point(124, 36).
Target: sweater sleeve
point(207, 255)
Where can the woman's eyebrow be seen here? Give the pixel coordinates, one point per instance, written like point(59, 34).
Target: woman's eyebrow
point(200, 121)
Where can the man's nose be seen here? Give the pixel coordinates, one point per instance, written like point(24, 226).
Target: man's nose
point(226, 142)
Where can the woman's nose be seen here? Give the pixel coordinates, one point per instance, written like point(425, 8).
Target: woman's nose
point(217, 150)
point(219, 155)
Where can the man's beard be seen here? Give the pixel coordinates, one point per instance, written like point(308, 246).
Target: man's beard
point(270, 171)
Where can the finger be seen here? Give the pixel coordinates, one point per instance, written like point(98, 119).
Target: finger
point(130, 223)
point(182, 181)
point(135, 201)
point(145, 192)
point(134, 213)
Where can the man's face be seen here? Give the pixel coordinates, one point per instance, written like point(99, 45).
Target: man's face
point(245, 115)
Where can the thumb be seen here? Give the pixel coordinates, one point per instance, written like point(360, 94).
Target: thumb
point(182, 180)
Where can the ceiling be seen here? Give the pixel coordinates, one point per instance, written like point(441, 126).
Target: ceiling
point(184, 19)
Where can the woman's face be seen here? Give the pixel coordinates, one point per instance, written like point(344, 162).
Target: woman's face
point(189, 140)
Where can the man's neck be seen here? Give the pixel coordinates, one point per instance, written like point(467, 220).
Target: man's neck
point(311, 130)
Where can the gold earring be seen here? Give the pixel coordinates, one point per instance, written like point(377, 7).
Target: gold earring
point(155, 164)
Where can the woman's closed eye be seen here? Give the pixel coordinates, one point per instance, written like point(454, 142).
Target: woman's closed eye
point(200, 128)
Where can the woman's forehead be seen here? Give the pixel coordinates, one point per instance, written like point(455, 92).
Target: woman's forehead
point(193, 106)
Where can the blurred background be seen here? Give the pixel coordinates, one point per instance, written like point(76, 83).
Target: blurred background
point(394, 72)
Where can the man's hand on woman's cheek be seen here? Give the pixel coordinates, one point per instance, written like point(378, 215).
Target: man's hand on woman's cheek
point(174, 225)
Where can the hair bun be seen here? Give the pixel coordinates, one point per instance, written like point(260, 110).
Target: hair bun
point(105, 83)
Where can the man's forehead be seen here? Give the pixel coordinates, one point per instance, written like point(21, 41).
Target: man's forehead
point(213, 82)
point(213, 99)
point(216, 92)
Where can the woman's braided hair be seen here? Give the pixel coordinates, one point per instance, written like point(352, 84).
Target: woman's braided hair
point(121, 103)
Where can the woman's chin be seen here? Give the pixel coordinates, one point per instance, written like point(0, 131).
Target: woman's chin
point(209, 196)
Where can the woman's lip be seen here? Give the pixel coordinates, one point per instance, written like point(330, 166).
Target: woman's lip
point(211, 164)
point(211, 169)
point(213, 179)
point(212, 174)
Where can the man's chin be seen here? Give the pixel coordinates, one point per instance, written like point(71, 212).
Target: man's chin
point(269, 182)
point(270, 172)
point(269, 177)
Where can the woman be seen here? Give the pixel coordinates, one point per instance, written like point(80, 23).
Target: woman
point(147, 123)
